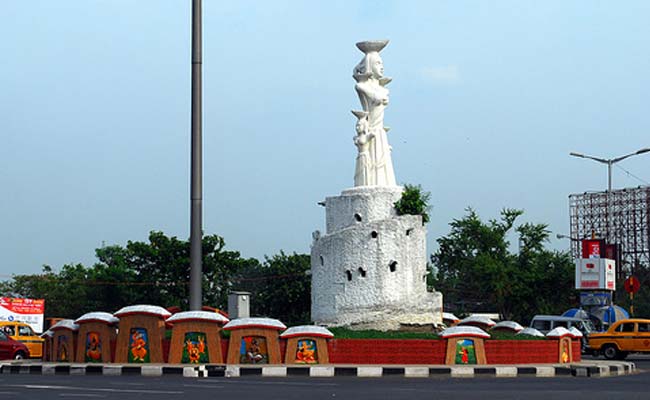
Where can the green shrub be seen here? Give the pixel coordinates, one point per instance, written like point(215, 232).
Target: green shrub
point(414, 201)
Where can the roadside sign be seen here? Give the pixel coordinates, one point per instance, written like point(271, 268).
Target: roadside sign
point(632, 284)
point(29, 311)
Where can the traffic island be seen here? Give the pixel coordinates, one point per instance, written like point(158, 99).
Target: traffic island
point(595, 369)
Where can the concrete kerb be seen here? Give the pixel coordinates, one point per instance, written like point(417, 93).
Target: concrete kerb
point(583, 369)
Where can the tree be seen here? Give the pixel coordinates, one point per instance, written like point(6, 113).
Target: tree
point(64, 293)
point(160, 269)
point(280, 287)
point(156, 273)
point(477, 272)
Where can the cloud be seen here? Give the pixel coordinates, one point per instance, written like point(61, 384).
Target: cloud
point(448, 75)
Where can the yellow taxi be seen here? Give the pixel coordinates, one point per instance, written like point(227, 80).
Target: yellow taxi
point(622, 337)
point(23, 333)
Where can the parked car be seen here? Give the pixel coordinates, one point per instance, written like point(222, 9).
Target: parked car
point(23, 333)
point(546, 323)
point(623, 337)
point(12, 349)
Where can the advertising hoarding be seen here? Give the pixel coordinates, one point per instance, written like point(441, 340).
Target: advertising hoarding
point(595, 274)
point(30, 311)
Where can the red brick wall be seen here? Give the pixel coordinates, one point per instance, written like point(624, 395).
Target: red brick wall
point(414, 351)
point(575, 349)
point(521, 351)
point(527, 351)
point(386, 351)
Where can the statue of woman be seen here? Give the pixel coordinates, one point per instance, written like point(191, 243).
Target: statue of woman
point(369, 74)
point(363, 171)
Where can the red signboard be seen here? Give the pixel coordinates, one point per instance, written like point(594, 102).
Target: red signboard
point(23, 306)
point(593, 248)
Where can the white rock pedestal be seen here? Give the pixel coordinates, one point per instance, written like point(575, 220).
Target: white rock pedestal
point(369, 269)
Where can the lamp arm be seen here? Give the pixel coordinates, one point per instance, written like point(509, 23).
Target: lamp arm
point(602, 160)
point(617, 159)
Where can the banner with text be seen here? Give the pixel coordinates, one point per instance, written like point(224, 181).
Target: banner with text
point(30, 311)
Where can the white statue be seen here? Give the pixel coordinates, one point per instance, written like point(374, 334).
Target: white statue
point(363, 171)
point(370, 87)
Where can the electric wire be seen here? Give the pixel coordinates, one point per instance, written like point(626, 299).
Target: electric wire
point(632, 175)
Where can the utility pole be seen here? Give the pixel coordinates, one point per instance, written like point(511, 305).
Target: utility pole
point(196, 186)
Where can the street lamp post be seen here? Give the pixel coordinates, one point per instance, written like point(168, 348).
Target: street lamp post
point(610, 162)
point(196, 186)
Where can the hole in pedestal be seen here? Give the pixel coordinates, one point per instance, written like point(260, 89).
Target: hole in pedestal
point(393, 266)
point(374, 234)
point(348, 274)
point(357, 217)
point(322, 262)
point(408, 231)
point(362, 272)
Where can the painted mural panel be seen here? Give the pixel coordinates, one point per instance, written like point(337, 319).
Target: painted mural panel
point(195, 350)
point(253, 350)
point(63, 348)
point(465, 352)
point(139, 346)
point(565, 351)
point(93, 347)
point(307, 352)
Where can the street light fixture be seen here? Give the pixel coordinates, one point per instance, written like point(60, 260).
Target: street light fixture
point(561, 236)
point(610, 162)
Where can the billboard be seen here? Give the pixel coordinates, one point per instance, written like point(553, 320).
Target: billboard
point(29, 311)
point(595, 274)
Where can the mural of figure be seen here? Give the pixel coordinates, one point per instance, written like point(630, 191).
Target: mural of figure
point(306, 352)
point(139, 346)
point(195, 350)
point(373, 94)
point(363, 172)
point(62, 348)
point(254, 355)
point(253, 350)
point(93, 347)
point(465, 352)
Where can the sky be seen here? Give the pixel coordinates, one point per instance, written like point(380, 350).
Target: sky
point(487, 100)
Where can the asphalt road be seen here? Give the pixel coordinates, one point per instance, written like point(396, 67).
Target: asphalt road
point(173, 387)
point(18, 387)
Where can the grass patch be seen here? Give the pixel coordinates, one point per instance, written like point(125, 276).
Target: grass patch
point(344, 333)
point(495, 335)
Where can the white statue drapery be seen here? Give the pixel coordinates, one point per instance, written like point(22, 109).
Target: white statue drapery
point(374, 165)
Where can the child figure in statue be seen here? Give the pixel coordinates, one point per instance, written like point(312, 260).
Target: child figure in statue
point(370, 87)
point(363, 172)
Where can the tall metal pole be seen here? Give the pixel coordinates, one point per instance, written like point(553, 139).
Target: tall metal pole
point(196, 189)
point(609, 175)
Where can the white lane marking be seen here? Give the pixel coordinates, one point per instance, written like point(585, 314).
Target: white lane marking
point(287, 383)
point(54, 387)
point(205, 386)
point(127, 383)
